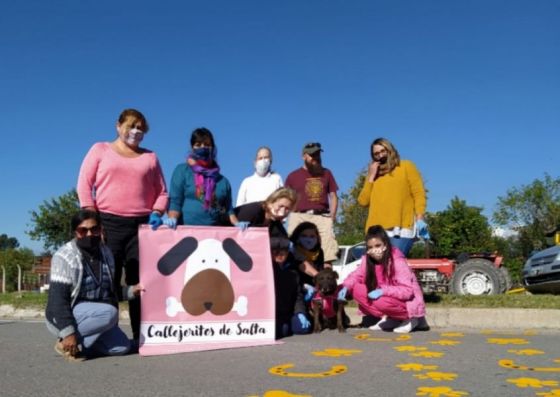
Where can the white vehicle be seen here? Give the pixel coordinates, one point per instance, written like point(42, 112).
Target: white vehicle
point(349, 257)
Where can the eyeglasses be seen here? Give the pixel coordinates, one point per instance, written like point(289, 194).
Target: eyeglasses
point(380, 152)
point(83, 231)
point(312, 144)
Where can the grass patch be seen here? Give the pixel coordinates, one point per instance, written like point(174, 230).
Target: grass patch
point(30, 300)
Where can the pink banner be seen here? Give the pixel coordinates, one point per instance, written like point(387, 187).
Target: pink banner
point(205, 288)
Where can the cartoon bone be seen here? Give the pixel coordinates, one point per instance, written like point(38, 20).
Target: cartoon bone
point(173, 306)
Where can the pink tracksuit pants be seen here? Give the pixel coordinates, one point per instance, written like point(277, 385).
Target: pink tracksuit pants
point(384, 306)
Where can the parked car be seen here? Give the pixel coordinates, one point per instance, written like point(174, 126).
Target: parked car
point(541, 273)
point(475, 274)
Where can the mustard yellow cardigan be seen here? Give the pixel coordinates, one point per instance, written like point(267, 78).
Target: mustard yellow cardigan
point(394, 199)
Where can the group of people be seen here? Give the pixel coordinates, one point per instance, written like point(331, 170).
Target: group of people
point(121, 186)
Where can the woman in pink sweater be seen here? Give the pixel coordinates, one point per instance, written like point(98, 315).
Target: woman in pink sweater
point(385, 287)
point(124, 182)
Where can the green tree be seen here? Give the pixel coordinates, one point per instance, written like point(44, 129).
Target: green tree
point(351, 215)
point(10, 258)
point(460, 228)
point(8, 242)
point(532, 210)
point(51, 223)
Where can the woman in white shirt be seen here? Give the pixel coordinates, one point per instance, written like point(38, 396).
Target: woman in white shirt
point(262, 183)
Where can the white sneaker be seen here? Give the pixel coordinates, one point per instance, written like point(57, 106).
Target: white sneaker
point(406, 326)
point(377, 326)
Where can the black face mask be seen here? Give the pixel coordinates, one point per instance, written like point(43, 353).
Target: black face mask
point(90, 244)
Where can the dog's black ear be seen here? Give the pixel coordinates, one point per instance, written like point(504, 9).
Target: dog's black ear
point(173, 258)
point(237, 254)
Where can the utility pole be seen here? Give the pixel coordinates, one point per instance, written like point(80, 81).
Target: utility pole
point(3, 279)
point(18, 278)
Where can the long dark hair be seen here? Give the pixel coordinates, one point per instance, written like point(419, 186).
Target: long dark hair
point(386, 261)
point(306, 226)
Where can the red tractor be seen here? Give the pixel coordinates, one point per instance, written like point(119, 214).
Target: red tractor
point(466, 275)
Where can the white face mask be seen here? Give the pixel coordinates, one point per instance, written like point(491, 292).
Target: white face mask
point(262, 166)
point(377, 253)
point(134, 137)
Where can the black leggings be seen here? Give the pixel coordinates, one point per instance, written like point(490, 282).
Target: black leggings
point(122, 239)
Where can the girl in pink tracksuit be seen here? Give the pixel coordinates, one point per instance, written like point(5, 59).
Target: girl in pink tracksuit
point(385, 287)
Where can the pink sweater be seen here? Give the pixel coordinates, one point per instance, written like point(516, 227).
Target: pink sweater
point(120, 185)
point(402, 286)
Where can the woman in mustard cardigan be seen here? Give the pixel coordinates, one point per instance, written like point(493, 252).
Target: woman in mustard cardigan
point(394, 193)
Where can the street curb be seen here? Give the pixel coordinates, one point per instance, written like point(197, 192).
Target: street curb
point(478, 318)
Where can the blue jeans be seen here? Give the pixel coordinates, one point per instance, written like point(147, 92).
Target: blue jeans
point(402, 243)
point(98, 329)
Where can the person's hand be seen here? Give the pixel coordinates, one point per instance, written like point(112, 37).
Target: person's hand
point(155, 220)
point(137, 289)
point(242, 225)
point(70, 344)
point(170, 223)
point(375, 294)
point(422, 229)
point(309, 292)
point(342, 294)
point(303, 320)
point(372, 170)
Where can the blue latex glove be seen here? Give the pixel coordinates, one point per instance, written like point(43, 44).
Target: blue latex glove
point(242, 225)
point(422, 229)
point(309, 292)
point(342, 294)
point(303, 320)
point(375, 294)
point(170, 223)
point(155, 220)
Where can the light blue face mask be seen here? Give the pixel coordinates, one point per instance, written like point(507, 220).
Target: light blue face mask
point(262, 166)
point(308, 242)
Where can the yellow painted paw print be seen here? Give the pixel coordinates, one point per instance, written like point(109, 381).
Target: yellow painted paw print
point(427, 354)
point(336, 353)
point(439, 391)
point(416, 367)
point(526, 352)
point(507, 341)
point(410, 348)
point(552, 393)
point(437, 376)
point(452, 334)
point(512, 365)
point(281, 393)
point(446, 342)
point(280, 370)
point(532, 382)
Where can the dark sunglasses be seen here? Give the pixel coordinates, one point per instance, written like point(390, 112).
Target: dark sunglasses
point(83, 231)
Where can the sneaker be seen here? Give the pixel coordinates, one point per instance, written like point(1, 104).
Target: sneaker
point(67, 356)
point(406, 326)
point(377, 327)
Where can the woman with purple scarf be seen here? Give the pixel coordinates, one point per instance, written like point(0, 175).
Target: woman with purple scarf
point(199, 194)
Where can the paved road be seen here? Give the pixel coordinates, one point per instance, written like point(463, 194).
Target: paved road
point(439, 363)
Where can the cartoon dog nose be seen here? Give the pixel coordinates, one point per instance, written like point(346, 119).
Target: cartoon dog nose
point(208, 305)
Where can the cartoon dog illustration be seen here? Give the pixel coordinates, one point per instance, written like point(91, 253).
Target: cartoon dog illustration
point(207, 285)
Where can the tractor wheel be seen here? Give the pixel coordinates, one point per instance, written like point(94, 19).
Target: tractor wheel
point(505, 279)
point(476, 277)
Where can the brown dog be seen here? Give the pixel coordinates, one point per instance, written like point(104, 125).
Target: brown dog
point(328, 311)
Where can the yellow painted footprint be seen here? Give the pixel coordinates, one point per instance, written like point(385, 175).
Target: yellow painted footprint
point(552, 393)
point(506, 363)
point(446, 342)
point(532, 382)
point(507, 341)
point(452, 334)
point(416, 367)
point(281, 393)
point(336, 353)
point(526, 352)
point(427, 354)
point(280, 370)
point(369, 338)
point(410, 348)
point(439, 391)
point(437, 376)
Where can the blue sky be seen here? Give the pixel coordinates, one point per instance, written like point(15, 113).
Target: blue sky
point(468, 90)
